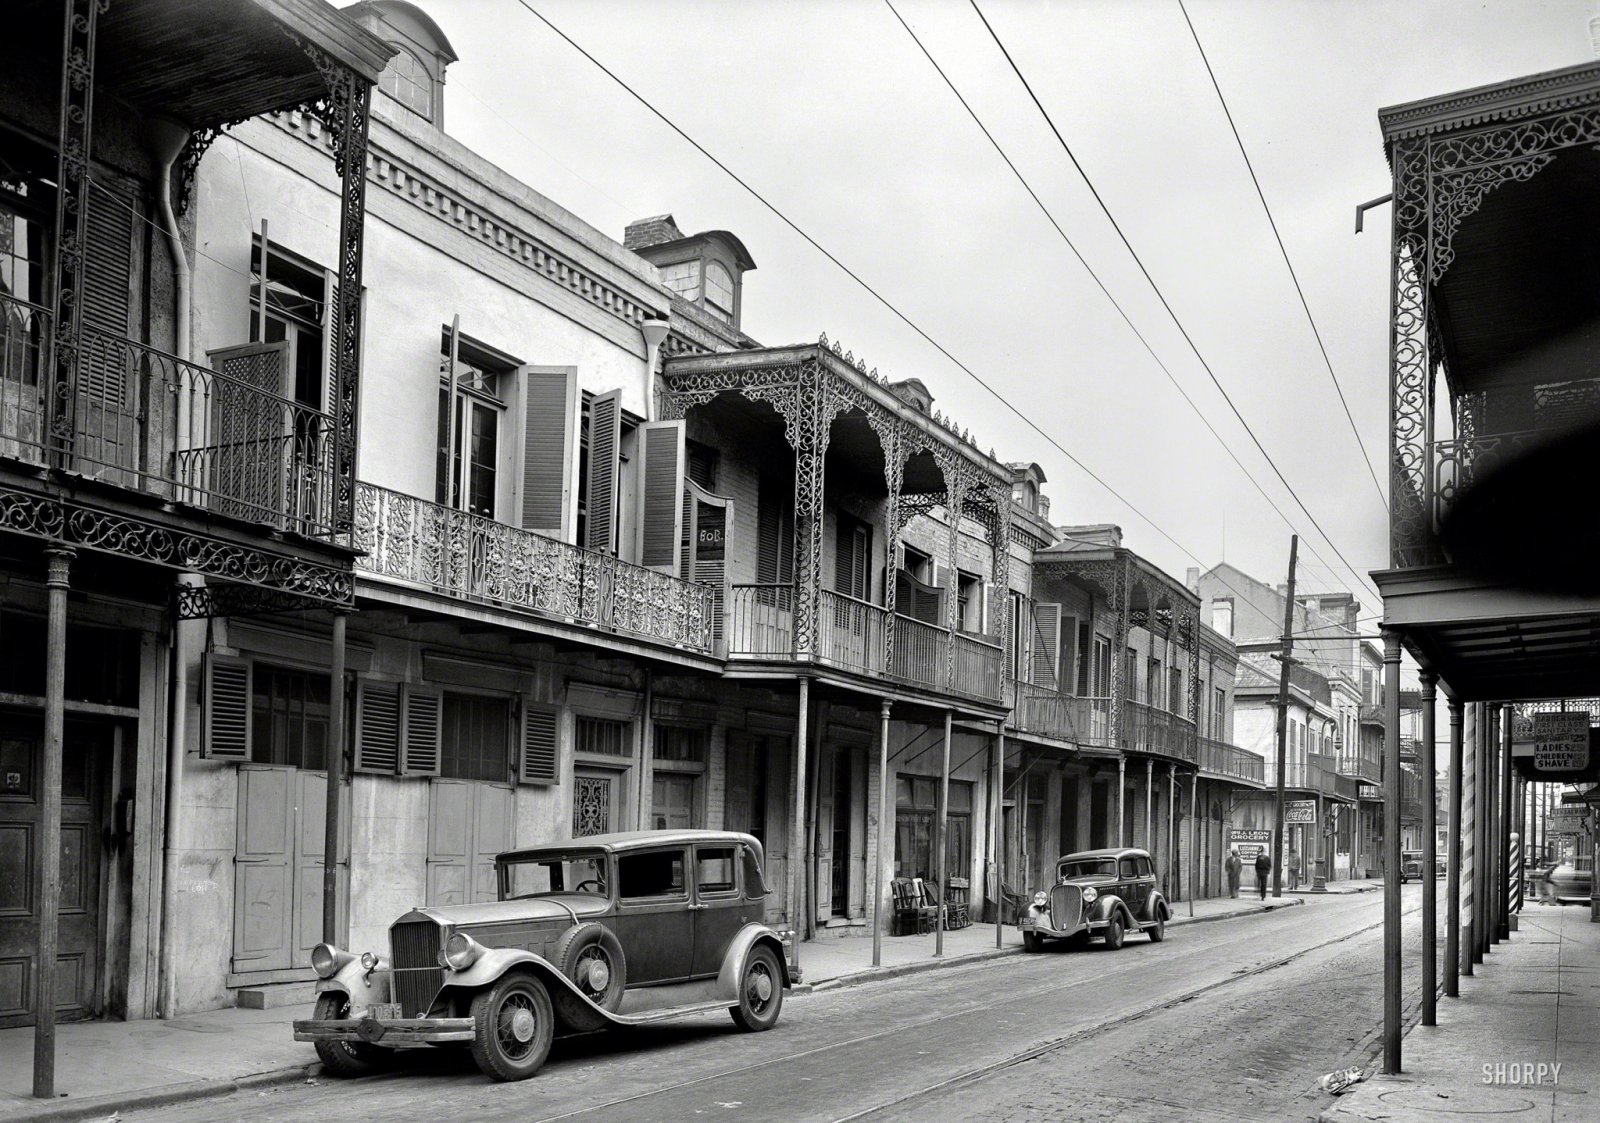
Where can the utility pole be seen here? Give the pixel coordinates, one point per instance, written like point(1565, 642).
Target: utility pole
point(1283, 717)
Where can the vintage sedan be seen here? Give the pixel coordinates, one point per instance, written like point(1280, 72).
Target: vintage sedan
point(609, 930)
point(1104, 893)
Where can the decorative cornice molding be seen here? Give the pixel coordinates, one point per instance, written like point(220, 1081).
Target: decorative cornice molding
point(400, 179)
point(1553, 90)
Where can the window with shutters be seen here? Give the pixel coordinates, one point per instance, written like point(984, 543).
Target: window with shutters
point(475, 738)
point(469, 428)
point(969, 601)
point(1175, 692)
point(289, 716)
point(295, 295)
point(775, 538)
point(23, 260)
point(852, 575)
point(1102, 667)
point(604, 438)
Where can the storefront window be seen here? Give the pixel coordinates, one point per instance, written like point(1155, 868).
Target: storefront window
point(916, 819)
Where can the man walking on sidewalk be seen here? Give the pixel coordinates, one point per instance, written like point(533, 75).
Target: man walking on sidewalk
point(1235, 866)
point(1263, 871)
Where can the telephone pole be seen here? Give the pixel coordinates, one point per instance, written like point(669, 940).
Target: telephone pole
point(1283, 717)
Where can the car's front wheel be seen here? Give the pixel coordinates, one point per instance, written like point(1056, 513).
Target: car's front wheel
point(344, 1058)
point(760, 991)
point(1114, 933)
point(513, 1024)
point(1031, 942)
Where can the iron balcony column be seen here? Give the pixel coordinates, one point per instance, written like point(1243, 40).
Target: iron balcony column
point(58, 561)
point(1392, 1024)
point(885, 825)
point(1430, 856)
point(1452, 946)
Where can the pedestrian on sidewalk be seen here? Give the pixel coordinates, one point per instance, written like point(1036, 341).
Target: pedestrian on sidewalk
point(1294, 869)
point(1263, 871)
point(1235, 866)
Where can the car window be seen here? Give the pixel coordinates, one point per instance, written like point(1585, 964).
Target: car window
point(654, 873)
point(580, 873)
point(1130, 868)
point(1145, 868)
point(755, 882)
point(715, 871)
point(1089, 867)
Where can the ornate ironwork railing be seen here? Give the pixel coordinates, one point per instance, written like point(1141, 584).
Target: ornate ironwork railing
point(146, 420)
point(1222, 759)
point(1147, 729)
point(1458, 464)
point(421, 543)
point(760, 620)
point(1363, 766)
point(919, 652)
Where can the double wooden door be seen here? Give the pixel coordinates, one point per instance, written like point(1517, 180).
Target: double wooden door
point(85, 759)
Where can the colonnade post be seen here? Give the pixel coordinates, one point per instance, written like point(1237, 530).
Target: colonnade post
point(1507, 814)
point(1430, 858)
point(885, 826)
point(797, 824)
point(1452, 936)
point(939, 837)
point(58, 563)
point(331, 933)
point(1392, 1024)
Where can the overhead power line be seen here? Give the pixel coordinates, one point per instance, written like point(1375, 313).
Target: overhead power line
point(1176, 320)
point(857, 278)
point(1310, 319)
point(1026, 186)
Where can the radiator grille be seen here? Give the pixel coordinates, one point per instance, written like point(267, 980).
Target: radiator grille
point(413, 952)
point(1066, 907)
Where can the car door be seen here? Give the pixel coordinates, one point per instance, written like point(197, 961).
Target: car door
point(1147, 886)
point(719, 906)
point(1131, 886)
point(654, 922)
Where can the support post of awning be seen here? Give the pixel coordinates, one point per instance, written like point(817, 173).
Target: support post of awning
point(1502, 894)
point(1452, 885)
point(797, 824)
point(940, 836)
point(47, 881)
point(885, 827)
point(996, 847)
point(1392, 1024)
point(1430, 858)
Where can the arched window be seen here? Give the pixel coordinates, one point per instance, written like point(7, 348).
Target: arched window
point(719, 290)
point(407, 81)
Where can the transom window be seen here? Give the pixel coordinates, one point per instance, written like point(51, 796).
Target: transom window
point(289, 717)
point(602, 736)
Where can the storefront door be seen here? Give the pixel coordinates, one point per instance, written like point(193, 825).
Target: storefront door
point(85, 757)
point(277, 881)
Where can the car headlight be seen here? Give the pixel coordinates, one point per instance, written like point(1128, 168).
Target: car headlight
point(326, 960)
point(1040, 899)
point(1089, 894)
point(460, 952)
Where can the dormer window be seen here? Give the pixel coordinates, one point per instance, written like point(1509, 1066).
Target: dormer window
point(407, 81)
point(719, 290)
point(683, 278)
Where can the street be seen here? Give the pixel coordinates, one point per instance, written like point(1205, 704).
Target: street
point(1227, 1019)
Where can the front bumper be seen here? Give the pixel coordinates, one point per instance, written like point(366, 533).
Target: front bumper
point(1039, 926)
point(395, 1033)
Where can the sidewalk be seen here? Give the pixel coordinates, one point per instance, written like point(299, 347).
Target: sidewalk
point(1535, 1000)
point(105, 1066)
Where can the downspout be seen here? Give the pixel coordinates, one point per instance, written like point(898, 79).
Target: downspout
point(654, 331)
point(166, 139)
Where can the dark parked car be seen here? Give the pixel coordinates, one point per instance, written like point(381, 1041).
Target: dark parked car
point(610, 930)
point(1105, 893)
point(1411, 866)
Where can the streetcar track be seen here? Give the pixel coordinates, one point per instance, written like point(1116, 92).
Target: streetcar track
point(945, 1015)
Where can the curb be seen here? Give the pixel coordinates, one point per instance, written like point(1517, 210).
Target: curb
point(874, 974)
point(162, 1095)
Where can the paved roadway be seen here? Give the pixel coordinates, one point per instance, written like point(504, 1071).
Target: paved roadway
point(1230, 1019)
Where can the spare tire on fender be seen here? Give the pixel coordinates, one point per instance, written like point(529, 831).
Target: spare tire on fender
point(591, 956)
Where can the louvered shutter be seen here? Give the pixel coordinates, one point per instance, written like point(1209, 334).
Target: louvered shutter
point(377, 727)
point(774, 537)
point(106, 394)
point(1046, 644)
point(549, 450)
point(226, 732)
point(661, 451)
point(605, 445)
point(539, 761)
point(421, 722)
point(1083, 658)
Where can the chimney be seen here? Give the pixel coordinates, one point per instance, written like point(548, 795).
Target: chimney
point(654, 231)
point(1044, 507)
point(1191, 578)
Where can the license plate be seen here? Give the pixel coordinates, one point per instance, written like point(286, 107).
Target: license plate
point(383, 1011)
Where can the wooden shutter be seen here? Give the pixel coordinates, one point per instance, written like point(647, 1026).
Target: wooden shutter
point(1084, 641)
point(377, 727)
point(774, 536)
point(605, 447)
point(226, 730)
point(539, 761)
point(850, 559)
point(1046, 644)
point(661, 452)
point(549, 450)
point(421, 722)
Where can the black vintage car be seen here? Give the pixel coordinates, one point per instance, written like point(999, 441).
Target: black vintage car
point(1105, 893)
point(610, 930)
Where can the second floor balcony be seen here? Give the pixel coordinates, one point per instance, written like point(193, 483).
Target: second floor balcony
point(1219, 758)
point(460, 555)
point(856, 636)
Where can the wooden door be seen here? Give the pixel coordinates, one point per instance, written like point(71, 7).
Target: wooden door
point(827, 783)
point(84, 758)
point(469, 822)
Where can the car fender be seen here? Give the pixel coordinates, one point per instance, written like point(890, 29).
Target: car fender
point(495, 962)
point(1108, 903)
point(733, 960)
point(361, 988)
point(1158, 909)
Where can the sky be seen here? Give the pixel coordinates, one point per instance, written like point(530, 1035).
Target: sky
point(829, 109)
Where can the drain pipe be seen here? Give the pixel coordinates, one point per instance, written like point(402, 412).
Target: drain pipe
point(654, 331)
point(166, 139)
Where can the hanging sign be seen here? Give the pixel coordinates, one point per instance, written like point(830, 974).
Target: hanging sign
point(1560, 742)
point(1371, 791)
point(1299, 812)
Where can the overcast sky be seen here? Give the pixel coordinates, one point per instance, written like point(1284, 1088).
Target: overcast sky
point(831, 111)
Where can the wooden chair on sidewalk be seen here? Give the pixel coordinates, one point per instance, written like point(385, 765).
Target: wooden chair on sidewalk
point(912, 915)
